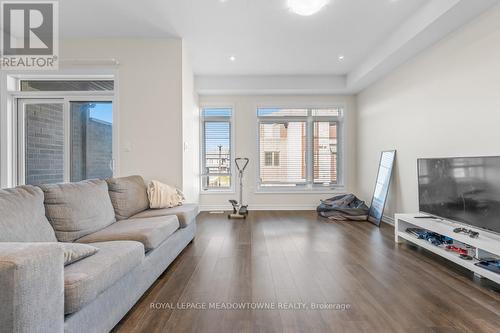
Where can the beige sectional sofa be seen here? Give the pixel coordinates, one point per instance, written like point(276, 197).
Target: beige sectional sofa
point(135, 245)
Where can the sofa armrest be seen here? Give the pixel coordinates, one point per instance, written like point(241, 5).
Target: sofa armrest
point(31, 287)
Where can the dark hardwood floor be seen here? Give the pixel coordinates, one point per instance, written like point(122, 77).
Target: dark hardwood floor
point(292, 257)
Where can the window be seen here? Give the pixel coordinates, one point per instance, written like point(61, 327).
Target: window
point(272, 158)
point(66, 85)
point(41, 143)
point(299, 148)
point(216, 149)
point(325, 152)
point(91, 141)
point(60, 137)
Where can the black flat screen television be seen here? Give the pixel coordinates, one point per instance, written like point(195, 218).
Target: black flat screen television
point(462, 189)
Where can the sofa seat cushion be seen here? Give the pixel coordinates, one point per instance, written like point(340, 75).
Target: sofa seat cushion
point(128, 195)
point(84, 280)
point(186, 213)
point(151, 232)
point(22, 216)
point(78, 209)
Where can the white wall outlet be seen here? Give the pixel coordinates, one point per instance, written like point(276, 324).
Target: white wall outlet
point(127, 147)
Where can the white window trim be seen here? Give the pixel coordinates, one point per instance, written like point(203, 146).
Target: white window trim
point(309, 186)
point(10, 93)
point(231, 189)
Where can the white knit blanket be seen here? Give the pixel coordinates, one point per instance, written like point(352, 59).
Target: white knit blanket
point(164, 196)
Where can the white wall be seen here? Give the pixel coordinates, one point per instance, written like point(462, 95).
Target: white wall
point(150, 101)
point(444, 102)
point(245, 122)
point(190, 131)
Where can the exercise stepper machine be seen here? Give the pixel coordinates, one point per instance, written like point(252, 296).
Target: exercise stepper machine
point(240, 211)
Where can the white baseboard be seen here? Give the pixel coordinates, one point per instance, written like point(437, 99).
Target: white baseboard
point(207, 208)
point(388, 220)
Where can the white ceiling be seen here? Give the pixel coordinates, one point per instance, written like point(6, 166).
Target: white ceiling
point(268, 40)
point(264, 35)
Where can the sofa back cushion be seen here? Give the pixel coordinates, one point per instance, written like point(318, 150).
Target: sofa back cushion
point(78, 209)
point(128, 195)
point(22, 216)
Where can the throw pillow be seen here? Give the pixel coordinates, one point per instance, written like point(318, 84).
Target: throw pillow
point(74, 252)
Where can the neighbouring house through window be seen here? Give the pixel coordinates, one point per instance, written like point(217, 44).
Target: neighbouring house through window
point(300, 148)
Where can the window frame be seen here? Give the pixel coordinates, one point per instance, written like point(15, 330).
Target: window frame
point(309, 186)
point(203, 120)
point(10, 93)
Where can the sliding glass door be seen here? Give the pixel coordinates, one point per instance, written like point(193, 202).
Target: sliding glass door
point(91, 136)
point(64, 140)
point(41, 155)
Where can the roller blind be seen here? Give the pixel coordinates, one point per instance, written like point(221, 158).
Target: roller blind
point(216, 143)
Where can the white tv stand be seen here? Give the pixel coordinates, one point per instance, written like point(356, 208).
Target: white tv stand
point(487, 241)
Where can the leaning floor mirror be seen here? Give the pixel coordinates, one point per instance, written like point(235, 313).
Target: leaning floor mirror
point(382, 184)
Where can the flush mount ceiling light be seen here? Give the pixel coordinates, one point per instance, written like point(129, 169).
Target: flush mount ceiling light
point(306, 7)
